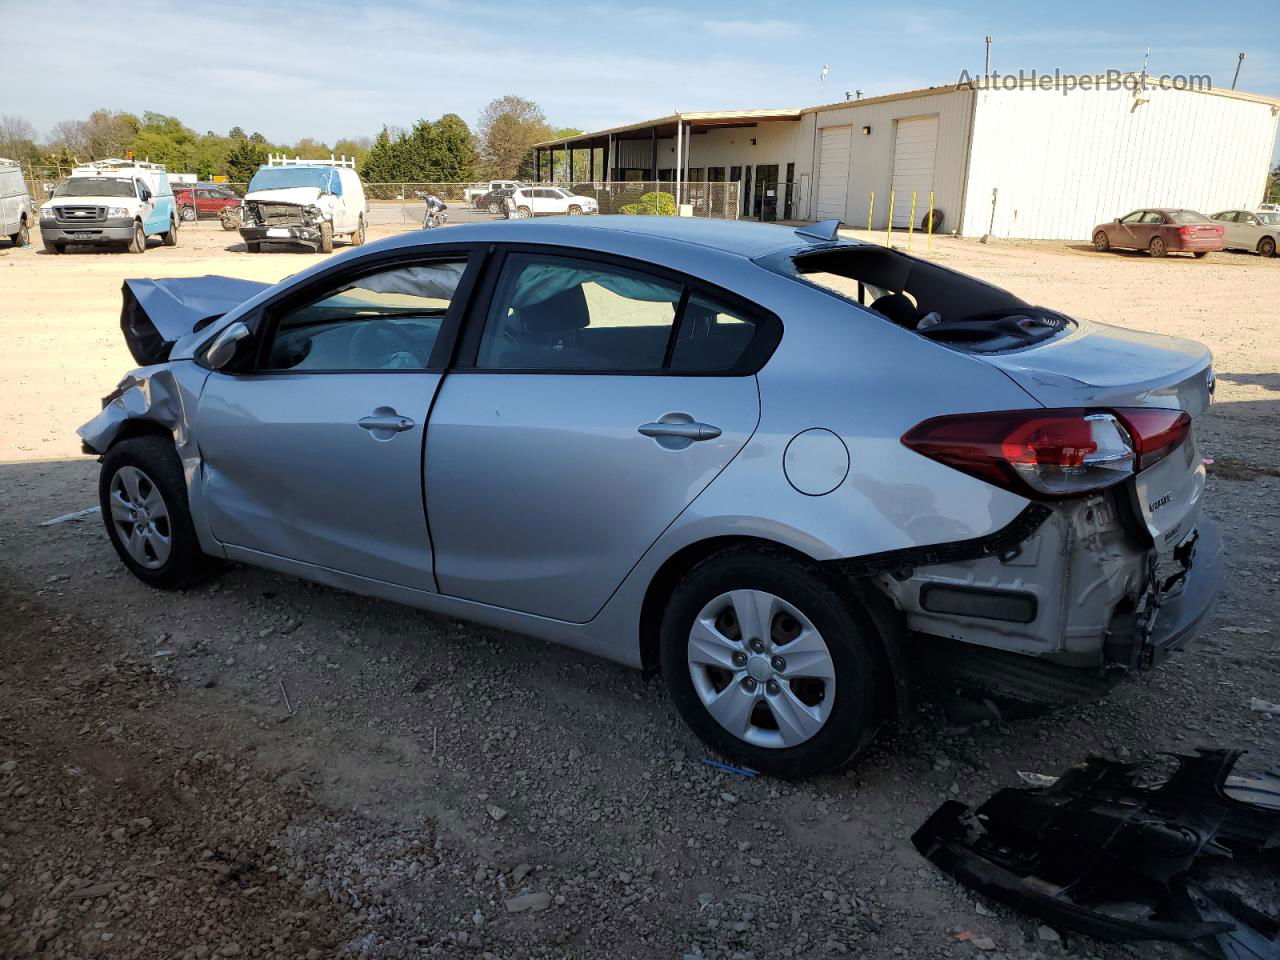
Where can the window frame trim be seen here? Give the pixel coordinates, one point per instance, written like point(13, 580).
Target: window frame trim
point(753, 359)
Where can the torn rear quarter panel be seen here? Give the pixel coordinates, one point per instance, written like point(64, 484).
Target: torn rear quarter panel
point(157, 313)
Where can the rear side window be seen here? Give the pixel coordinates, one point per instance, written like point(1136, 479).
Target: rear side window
point(564, 314)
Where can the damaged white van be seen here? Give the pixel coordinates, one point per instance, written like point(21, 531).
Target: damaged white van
point(304, 201)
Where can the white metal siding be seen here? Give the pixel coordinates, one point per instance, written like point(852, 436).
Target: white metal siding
point(872, 153)
point(914, 148)
point(833, 173)
point(1065, 162)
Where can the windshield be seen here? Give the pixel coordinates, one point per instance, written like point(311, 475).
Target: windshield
point(96, 187)
point(1187, 216)
point(1270, 219)
point(324, 179)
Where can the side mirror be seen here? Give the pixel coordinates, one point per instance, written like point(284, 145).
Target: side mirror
point(224, 345)
point(145, 195)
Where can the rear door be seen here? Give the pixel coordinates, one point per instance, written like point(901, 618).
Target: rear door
point(312, 449)
point(594, 400)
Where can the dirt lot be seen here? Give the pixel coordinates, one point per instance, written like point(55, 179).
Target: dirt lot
point(265, 768)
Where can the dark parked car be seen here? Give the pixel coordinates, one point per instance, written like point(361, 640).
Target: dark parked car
point(1161, 231)
point(495, 200)
point(204, 200)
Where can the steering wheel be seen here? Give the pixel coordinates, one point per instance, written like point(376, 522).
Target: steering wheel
point(381, 344)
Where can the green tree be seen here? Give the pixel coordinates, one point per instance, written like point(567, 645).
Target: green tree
point(237, 133)
point(243, 161)
point(452, 154)
point(508, 127)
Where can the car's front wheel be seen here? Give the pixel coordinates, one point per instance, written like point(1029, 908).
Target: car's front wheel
point(139, 242)
point(144, 508)
point(770, 663)
point(326, 237)
point(1267, 247)
point(575, 211)
point(1100, 241)
point(524, 213)
point(188, 214)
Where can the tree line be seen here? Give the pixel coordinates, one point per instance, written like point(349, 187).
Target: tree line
point(440, 151)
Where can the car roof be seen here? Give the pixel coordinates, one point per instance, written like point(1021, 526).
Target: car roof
point(745, 239)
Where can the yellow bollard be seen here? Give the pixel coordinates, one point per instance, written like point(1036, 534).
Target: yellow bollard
point(929, 242)
point(911, 224)
point(871, 209)
point(888, 227)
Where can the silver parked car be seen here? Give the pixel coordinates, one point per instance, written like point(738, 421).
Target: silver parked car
point(786, 470)
point(1252, 230)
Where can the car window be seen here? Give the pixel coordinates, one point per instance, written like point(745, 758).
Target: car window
point(559, 313)
point(1227, 216)
point(1135, 217)
point(383, 321)
point(1151, 216)
point(712, 338)
point(1270, 219)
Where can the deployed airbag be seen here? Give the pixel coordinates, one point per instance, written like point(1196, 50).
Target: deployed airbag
point(156, 313)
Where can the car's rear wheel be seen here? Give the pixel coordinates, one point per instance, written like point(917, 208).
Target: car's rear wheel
point(770, 664)
point(188, 213)
point(144, 508)
point(326, 237)
point(1267, 247)
point(357, 238)
point(1100, 241)
point(575, 211)
point(493, 207)
point(139, 242)
point(1158, 247)
point(170, 237)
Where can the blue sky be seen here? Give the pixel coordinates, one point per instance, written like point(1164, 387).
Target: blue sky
point(294, 68)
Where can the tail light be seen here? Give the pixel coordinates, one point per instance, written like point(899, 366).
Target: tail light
point(1050, 453)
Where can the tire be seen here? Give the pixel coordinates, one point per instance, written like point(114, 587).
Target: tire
point(139, 242)
point(1201, 254)
point(1158, 247)
point(188, 214)
point(170, 237)
point(839, 714)
point(575, 211)
point(493, 207)
point(326, 237)
point(357, 238)
point(1267, 247)
point(937, 222)
point(54, 248)
point(142, 477)
point(524, 213)
point(23, 236)
point(1100, 241)
point(253, 246)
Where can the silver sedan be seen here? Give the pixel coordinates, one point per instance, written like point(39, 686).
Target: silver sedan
point(1252, 230)
point(793, 473)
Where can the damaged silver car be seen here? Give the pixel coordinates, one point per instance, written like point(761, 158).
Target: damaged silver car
point(788, 471)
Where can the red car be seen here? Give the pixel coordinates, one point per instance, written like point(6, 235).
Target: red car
point(204, 200)
point(1161, 231)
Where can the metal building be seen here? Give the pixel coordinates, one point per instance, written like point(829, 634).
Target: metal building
point(1036, 160)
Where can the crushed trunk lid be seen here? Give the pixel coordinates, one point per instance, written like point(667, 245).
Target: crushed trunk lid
point(156, 313)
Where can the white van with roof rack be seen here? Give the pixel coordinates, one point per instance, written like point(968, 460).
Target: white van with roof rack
point(291, 200)
point(16, 209)
point(111, 202)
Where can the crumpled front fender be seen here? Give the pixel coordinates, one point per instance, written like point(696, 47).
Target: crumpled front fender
point(149, 394)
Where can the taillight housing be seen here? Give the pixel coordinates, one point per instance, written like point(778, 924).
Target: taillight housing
point(1048, 454)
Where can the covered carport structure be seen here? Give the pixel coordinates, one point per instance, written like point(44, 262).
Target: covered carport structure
point(638, 151)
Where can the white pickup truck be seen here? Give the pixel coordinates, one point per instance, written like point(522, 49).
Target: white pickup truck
point(473, 194)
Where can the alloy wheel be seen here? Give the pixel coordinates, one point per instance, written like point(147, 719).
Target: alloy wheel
point(140, 517)
point(761, 669)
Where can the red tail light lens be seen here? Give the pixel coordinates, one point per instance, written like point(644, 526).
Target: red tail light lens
point(1155, 433)
point(1036, 453)
point(1186, 231)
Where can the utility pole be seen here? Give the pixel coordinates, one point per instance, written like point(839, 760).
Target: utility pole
point(986, 71)
point(1239, 64)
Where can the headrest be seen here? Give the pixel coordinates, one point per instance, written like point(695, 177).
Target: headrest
point(562, 313)
point(898, 308)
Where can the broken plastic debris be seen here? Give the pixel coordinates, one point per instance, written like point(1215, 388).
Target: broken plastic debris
point(77, 515)
point(729, 768)
point(1037, 779)
point(1264, 706)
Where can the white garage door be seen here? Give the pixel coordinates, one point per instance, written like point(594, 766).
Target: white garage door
point(913, 152)
point(833, 173)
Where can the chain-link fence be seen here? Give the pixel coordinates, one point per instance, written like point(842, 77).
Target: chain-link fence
point(404, 204)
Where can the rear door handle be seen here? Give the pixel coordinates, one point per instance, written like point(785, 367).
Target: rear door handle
point(686, 431)
point(384, 421)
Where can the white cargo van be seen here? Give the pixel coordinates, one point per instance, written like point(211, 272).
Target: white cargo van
point(16, 209)
point(291, 200)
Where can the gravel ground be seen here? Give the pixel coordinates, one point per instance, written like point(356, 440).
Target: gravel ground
point(260, 767)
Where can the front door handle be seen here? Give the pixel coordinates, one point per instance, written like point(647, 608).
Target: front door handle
point(692, 431)
point(384, 422)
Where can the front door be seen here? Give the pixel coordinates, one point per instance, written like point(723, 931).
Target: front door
point(765, 207)
point(313, 452)
point(579, 433)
